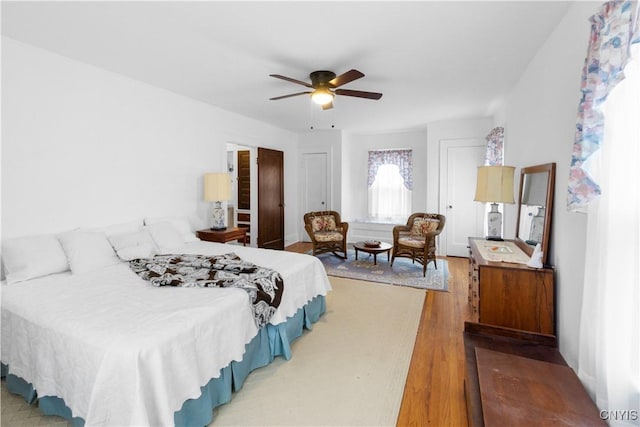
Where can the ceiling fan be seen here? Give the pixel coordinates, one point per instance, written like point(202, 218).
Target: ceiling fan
point(326, 85)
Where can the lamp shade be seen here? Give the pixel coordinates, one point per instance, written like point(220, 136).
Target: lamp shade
point(217, 187)
point(495, 184)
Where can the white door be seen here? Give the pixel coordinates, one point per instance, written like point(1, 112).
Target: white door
point(314, 184)
point(459, 161)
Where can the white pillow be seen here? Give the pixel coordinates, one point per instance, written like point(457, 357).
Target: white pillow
point(121, 228)
point(166, 236)
point(180, 224)
point(87, 250)
point(135, 245)
point(32, 256)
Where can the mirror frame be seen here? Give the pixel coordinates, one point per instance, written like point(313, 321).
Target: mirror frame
point(550, 168)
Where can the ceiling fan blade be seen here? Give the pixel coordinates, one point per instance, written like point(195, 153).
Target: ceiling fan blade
point(328, 106)
point(345, 78)
point(289, 79)
point(288, 96)
point(358, 93)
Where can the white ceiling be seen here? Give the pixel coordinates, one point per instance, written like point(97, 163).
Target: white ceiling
point(431, 60)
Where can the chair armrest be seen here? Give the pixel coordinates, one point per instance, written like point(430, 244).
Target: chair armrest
point(399, 229)
point(344, 227)
point(307, 227)
point(430, 236)
point(433, 233)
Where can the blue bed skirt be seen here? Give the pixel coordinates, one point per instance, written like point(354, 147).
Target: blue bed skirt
point(271, 341)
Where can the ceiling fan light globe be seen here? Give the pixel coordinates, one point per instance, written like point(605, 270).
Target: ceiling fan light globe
point(322, 97)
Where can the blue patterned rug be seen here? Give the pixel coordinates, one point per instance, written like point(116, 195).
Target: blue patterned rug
point(403, 273)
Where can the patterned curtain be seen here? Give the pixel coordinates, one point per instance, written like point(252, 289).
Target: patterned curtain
point(495, 147)
point(613, 30)
point(400, 158)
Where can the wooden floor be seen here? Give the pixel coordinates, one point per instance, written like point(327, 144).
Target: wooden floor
point(434, 393)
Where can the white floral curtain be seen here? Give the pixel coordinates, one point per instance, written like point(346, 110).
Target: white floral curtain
point(400, 158)
point(605, 181)
point(495, 147)
point(609, 347)
point(613, 31)
point(389, 184)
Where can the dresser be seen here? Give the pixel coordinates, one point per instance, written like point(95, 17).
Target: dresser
point(504, 292)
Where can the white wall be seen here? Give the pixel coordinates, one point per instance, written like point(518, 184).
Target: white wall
point(539, 117)
point(82, 146)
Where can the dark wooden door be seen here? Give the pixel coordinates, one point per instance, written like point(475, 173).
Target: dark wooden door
point(270, 199)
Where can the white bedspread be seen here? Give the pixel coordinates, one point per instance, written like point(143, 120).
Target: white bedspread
point(120, 351)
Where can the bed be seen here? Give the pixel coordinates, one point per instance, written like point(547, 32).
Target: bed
point(105, 347)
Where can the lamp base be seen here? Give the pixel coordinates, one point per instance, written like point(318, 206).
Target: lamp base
point(218, 217)
point(494, 238)
point(494, 223)
point(218, 228)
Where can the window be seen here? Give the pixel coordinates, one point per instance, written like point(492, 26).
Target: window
point(389, 185)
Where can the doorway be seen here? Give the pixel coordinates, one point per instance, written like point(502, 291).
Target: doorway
point(243, 212)
point(459, 161)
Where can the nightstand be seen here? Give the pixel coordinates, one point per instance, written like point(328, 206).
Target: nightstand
point(224, 236)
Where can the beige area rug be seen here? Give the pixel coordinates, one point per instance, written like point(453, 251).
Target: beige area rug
point(349, 371)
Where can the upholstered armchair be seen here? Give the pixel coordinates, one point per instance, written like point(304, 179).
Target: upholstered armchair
point(417, 239)
point(327, 232)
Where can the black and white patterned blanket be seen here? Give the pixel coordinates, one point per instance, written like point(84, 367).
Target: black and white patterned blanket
point(263, 285)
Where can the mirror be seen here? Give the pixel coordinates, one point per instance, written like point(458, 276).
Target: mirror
point(535, 207)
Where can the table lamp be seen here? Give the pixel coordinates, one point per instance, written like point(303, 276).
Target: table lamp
point(494, 185)
point(217, 188)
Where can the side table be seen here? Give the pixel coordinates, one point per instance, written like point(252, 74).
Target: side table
point(223, 236)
